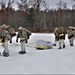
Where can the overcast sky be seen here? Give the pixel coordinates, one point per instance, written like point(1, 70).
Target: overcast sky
point(53, 3)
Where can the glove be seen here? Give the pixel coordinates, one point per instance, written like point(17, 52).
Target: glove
point(14, 34)
point(17, 41)
point(26, 41)
point(3, 38)
point(10, 41)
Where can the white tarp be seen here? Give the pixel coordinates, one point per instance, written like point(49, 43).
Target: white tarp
point(41, 44)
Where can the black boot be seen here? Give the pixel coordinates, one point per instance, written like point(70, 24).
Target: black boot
point(59, 48)
point(5, 54)
point(63, 46)
point(71, 44)
point(22, 52)
point(54, 44)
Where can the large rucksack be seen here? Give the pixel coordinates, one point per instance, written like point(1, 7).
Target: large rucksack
point(12, 32)
point(28, 33)
point(6, 34)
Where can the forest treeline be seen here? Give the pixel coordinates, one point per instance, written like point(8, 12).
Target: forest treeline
point(34, 19)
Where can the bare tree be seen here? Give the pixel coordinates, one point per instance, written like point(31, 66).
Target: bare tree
point(5, 3)
point(6, 8)
point(64, 5)
point(60, 4)
point(10, 3)
point(2, 4)
point(24, 4)
point(38, 4)
point(73, 7)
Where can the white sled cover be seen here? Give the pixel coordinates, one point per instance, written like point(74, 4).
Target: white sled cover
point(43, 45)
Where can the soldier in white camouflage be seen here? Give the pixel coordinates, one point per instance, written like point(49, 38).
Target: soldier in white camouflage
point(71, 33)
point(0, 36)
point(22, 34)
point(62, 34)
point(56, 36)
point(5, 37)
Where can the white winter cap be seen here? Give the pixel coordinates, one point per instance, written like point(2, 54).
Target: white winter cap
point(20, 28)
point(4, 25)
point(30, 6)
point(70, 27)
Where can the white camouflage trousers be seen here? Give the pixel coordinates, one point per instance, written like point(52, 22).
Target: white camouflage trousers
point(55, 42)
point(23, 46)
point(5, 46)
point(71, 40)
point(61, 42)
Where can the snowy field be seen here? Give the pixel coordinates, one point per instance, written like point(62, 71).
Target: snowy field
point(51, 61)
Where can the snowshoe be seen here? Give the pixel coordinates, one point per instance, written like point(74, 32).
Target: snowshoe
point(5, 54)
point(22, 52)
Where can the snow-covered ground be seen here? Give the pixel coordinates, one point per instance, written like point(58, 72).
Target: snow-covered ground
point(51, 61)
